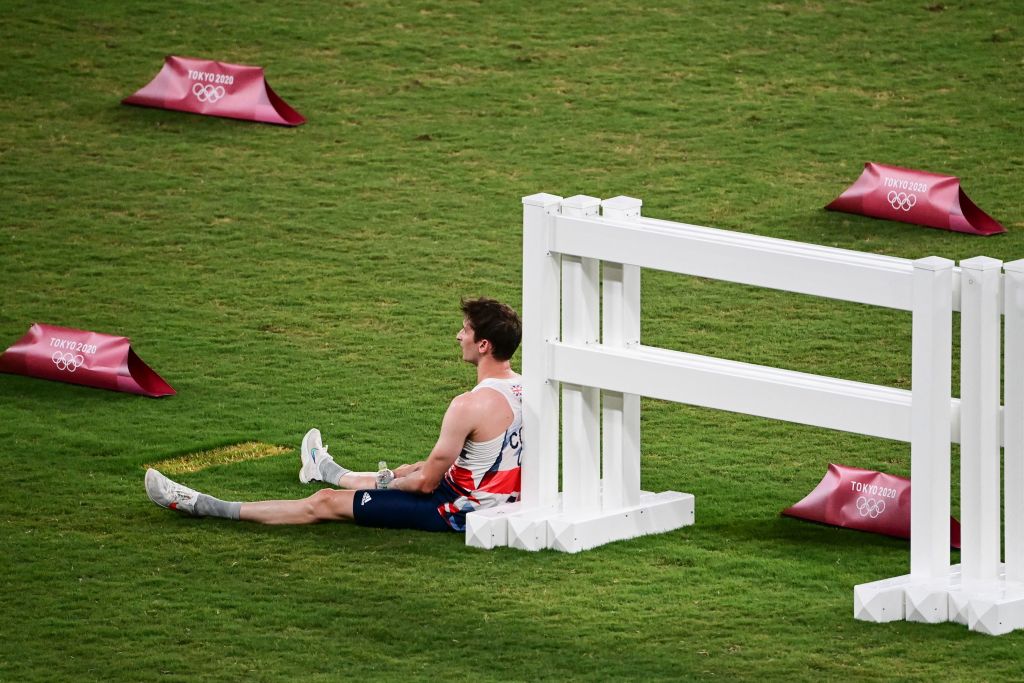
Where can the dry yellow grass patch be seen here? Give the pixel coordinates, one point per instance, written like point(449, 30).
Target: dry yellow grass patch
point(239, 452)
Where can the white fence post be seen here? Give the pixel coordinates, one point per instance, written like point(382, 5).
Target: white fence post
point(1013, 420)
point(932, 349)
point(930, 417)
point(620, 413)
point(581, 455)
point(541, 311)
point(979, 427)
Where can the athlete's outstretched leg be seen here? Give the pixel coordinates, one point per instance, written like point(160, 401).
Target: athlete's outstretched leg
point(324, 505)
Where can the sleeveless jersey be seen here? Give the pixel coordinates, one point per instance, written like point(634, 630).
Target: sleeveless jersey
point(487, 473)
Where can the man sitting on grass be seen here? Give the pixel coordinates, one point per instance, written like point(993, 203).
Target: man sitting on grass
point(475, 463)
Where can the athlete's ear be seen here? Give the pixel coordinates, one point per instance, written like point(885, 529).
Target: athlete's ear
point(484, 346)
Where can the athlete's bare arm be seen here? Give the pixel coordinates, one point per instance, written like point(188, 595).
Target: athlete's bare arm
point(458, 423)
point(485, 409)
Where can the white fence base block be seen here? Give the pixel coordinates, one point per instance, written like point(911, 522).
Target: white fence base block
point(511, 525)
point(991, 607)
point(880, 601)
point(997, 613)
point(488, 528)
point(656, 513)
point(540, 528)
point(528, 530)
point(957, 607)
point(902, 598)
point(927, 602)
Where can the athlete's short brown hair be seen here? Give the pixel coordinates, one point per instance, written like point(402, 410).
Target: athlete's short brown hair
point(495, 322)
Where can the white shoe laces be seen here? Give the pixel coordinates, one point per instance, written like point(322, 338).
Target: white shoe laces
point(181, 494)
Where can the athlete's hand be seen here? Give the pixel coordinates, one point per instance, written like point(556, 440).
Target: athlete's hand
point(406, 470)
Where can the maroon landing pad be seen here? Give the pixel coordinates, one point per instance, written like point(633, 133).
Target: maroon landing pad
point(91, 359)
point(201, 86)
point(916, 197)
point(866, 500)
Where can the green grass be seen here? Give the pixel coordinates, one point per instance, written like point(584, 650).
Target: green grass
point(285, 278)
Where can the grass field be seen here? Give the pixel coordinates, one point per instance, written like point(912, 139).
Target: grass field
point(286, 278)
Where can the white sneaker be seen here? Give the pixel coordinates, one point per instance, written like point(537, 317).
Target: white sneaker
point(169, 494)
point(313, 453)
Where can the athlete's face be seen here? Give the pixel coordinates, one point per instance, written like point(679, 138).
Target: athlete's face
point(470, 347)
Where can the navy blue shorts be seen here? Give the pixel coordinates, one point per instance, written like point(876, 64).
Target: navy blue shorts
point(392, 509)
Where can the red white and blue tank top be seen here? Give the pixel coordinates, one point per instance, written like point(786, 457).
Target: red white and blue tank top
point(487, 473)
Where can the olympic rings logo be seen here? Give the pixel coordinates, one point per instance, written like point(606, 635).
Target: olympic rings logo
point(67, 362)
point(869, 507)
point(902, 200)
point(208, 93)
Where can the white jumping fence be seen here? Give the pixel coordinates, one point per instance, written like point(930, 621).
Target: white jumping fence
point(584, 371)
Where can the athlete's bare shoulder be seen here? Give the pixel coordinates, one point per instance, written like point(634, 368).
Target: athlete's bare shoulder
point(481, 400)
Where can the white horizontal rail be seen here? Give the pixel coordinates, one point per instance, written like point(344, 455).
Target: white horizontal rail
point(746, 259)
point(742, 387)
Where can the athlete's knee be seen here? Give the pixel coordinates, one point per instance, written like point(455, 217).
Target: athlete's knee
point(330, 504)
